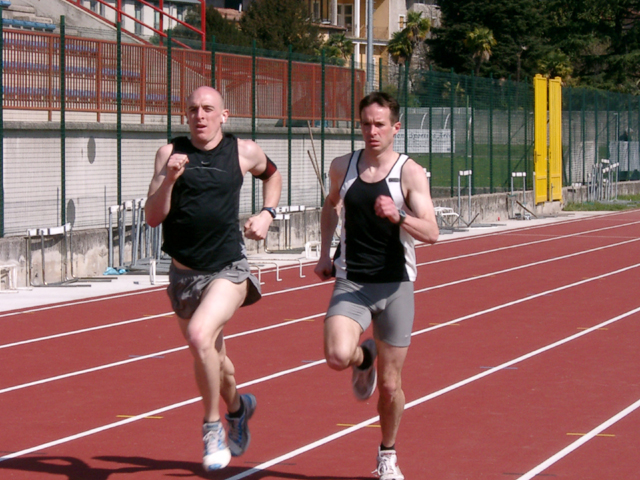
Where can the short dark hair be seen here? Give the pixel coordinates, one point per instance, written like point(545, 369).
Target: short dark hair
point(384, 100)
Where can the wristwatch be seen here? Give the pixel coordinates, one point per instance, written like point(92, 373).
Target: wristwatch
point(403, 216)
point(271, 210)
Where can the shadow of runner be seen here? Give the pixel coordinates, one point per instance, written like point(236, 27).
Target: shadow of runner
point(75, 469)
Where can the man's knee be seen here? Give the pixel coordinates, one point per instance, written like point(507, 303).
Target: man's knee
point(338, 356)
point(390, 387)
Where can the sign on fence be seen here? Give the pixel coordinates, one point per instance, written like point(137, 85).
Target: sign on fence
point(419, 141)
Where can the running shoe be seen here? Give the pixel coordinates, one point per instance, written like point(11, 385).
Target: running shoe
point(239, 436)
point(364, 381)
point(216, 452)
point(388, 465)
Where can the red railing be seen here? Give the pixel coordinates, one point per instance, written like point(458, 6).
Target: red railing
point(31, 73)
point(119, 13)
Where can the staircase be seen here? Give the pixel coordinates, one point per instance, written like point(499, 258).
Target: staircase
point(24, 17)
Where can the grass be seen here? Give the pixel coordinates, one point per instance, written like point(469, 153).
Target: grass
point(623, 202)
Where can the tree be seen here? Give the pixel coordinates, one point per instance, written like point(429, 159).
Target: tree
point(403, 43)
point(225, 31)
point(276, 24)
point(518, 26)
point(479, 42)
point(556, 64)
point(337, 47)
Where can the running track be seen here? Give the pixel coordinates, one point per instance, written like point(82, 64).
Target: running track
point(523, 364)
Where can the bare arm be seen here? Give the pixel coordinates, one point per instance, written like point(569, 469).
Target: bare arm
point(254, 161)
point(422, 225)
point(330, 215)
point(168, 168)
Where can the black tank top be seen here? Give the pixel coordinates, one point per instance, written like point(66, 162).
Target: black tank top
point(202, 229)
point(372, 249)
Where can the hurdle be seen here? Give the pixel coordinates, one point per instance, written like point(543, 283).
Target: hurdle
point(513, 195)
point(468, 174)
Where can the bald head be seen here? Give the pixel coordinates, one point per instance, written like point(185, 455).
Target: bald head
point(206, 92)
point(205, 116)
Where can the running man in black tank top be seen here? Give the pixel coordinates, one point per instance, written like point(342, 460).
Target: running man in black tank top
point(195, 194)
point(384, 203)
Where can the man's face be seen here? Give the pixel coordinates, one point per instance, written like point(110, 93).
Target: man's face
point(205, 115)
point(377, 129)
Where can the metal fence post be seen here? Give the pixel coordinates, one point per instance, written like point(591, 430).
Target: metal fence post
point(452, 93)
point(169, 74)
point(213, 61)
point(322, 120)
point(1, 127)
point(353, 103)
point(63, 132)
point(119, 111)
point(253, 120)
point(289, 114)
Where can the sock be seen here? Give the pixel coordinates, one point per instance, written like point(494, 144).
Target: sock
point(383, 448)
point(239, 412)
point(211, 425)
point(367, 361)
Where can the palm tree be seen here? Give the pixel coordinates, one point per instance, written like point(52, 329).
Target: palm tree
point(403, 42)
point(555, 63)
point(338, 47)
point(479, 42)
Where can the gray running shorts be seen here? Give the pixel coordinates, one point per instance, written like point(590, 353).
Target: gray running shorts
point(390, 306)
point(186, 286)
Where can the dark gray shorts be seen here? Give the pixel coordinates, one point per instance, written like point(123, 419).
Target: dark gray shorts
point(186, 286)
point(390, 306)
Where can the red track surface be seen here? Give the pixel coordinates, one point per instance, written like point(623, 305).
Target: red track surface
point(524, 347)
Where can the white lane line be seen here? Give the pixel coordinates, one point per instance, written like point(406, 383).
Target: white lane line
point(426, 398)
point(578, 443)
point(526, 244)
point(148, 356)
point(319, 362)
point(84, 330)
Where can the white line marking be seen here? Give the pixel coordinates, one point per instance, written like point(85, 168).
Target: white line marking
point(526, 244)
point(319, 362)
point(578, 443)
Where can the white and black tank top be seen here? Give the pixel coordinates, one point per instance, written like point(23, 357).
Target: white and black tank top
point(202, 229)
point(372, 249)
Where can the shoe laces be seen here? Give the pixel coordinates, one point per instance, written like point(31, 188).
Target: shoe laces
point(387, 464)
point(213, 440)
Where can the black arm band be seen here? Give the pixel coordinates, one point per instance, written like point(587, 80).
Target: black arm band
point(270, 170)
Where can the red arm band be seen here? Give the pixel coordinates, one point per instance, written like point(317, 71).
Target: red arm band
point(270, 170)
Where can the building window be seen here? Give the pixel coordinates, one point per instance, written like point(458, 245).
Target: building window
point(345, 15)
point(316, 11)
point(138, 27)
point(402, 22)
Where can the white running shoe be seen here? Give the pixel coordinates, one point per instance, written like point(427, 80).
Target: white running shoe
point(388, 465)
point(239, 436)
point(216, 452)
point(364, 381)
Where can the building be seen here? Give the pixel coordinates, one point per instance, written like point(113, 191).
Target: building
point(389, 16)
